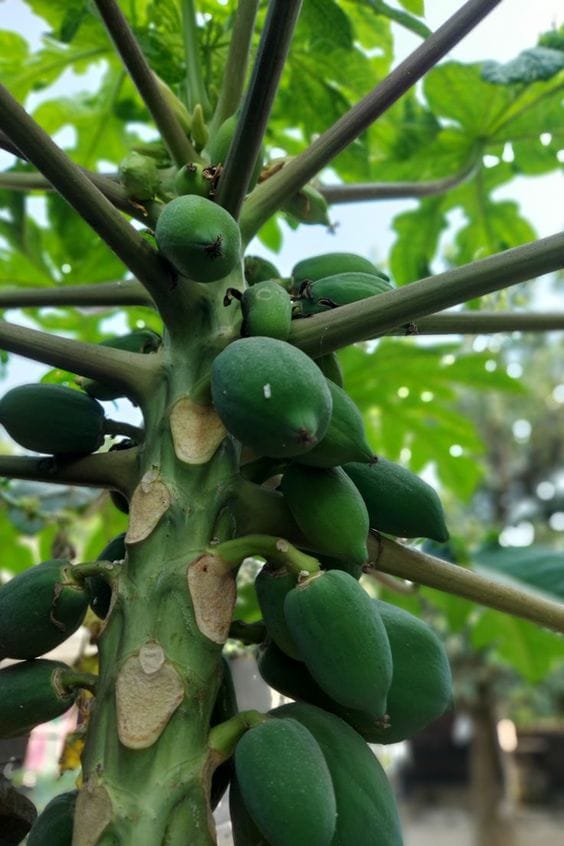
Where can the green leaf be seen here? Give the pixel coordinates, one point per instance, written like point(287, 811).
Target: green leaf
point(538, 566)
point(529, 66)
point(327, 25)
point(416, 244)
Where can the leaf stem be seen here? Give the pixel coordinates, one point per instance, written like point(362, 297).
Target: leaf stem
point(125, 292)
point(483, 322)
point(195, 89)
point(271, 194)
point(126, 44)
point(115, 470)
point(374, 316)
point(245, 147)
point(236, 65)
point(409, 563)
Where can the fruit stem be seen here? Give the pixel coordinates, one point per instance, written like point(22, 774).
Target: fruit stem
point(71, 679)
point(224, 737)
point(85, 569)
point(277, 551)
point(119, 427)
point(248, 632)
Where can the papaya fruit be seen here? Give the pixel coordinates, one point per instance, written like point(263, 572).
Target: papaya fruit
point(139, 176)
point(399, 502)
point(326, 562)
point(272, 585)
point(195, 178)
point(243, 828)
point(345, 436)
point(17, 813)
point(30, 694)
point(340, 289)
point(199, 238)
point(329, 264)
point(143, 341)
point(53, 419)
point(342, 640)
point(54, 825)
point(224, 708)
point(331, 369)
point(99, 588)
point(366, 806)
point(218, 148)
point(259, 269)
point(271, 396)
point(328, 510)
point(267, 310)
point(39, 609)
point(285, 784)
point(308, 206)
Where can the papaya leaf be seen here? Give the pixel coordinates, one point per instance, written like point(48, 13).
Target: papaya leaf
point(535, 565)
point(420, 229)
point(537, 63)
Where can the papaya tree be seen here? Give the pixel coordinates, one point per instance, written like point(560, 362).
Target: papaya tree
point(249, 444)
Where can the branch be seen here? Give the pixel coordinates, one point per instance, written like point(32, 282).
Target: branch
point(126, 292)
point(274, 44)
point(408, 563)
point(377, 315)
point(128, 244)
point(236, 65)
point(166, 121)
point(115, 470)
point(134, 372)
point(479, 322)
point(195, 89)
point(271, 194)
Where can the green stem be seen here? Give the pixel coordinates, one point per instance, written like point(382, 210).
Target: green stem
point(128, 244)
point(416, 566)
point(277, 551)
point(401, 18)
point(271, 195)
point(72, 679)
point(482, 322)
point(224, 737)
point(166, 121)
point(236, 65)
point(248, 632)
point(134, 372)
point(195, 89)
point(86, 569)
point(374, 316)
point(119, 427)
point(274, 44)
point(125, 292)
point(112, 470)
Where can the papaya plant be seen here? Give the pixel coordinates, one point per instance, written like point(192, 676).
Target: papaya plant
point(250, 445)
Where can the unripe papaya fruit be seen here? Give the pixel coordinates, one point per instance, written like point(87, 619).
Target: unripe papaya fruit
point(366, 806)
point(340, 289)
point(143, 341)
point(218, 148)
point(259, 269)
point(194, 178)
point(331, 369)
point(199, 238)
point(271, 396)
point(99, 588)
point(344, 437)
point(328, 563)
point(328, 510)
point(342, 640)
point(329, 264)
point(39, 609)
point(267, 310)
point(54, 825)
point(308, 206)
point(139, 176)
point(285, 784)
point(243, 828)
point(224, 708)
point(399, 502)
point(272, 585)
point(53, 419)
point(30, 694)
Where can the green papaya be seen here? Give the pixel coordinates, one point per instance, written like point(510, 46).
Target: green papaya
point(224, 708)
point(399, 502)
point(328, 510)
point(199, 238)
point(39, 609)
point(143, 341)
point(271, 396)
point(99, 588)
point(259, 269)
point(139, 176)
point(54, 825)
point(267, 310)
point(243, 827)
point(53, 419)
point(342, 640)
point(328, 563)
point(345, 436)
point(340, 289)
point(329, 264)
point(195, 178)
point(308, 206)
point(366, 806)
point(218, 148)
point(17, 813)
point(285, 784)
point(331, 369)
point(31, 693)
point(272, 585)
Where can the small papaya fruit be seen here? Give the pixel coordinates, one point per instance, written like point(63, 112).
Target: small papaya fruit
point(366, 806)
point(218, 148)
point(267, 310)
point(53, 419)
point(40, 608)
point(342, 640)
point(308, 206)
point(331, 369)
point(340, 289)
point(54, 825)
point(328, 510)
point(271, 396)
point(195, 178)
point(345, 436)
point(199, 238)
point(272, 585)
point(139, 176)
point(259, 269)
point(285, 784)
point(143, 341)
point(99, 588)
point(31, 693)
point(243, 828)
point(330, 264)
point(399, 502)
